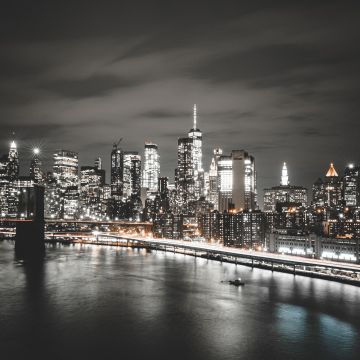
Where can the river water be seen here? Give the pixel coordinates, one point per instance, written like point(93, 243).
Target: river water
point(98, 302)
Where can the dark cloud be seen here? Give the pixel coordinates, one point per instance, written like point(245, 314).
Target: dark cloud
point(270, 60)
point(163, 114)
point(15, 97)
point(300, 117)
point(96, 85)
point(14, 67)
point(279, 79)
point(313, 132)
point(25, 132)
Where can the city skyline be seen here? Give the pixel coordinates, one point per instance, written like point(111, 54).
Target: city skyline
point(47, 164)
point(274, 80)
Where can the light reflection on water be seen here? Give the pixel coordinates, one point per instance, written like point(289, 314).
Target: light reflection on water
point(92, 301)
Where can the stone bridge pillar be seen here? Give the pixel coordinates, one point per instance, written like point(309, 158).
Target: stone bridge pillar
point(29, 239)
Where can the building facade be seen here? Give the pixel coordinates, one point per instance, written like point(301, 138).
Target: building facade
point(132, 174)
point(351, 186)
point(311, 245)
point(36, 172)
point(184, 175)
point(66, 176)
point(117, 171)
point(237, 181)
point(151, 170)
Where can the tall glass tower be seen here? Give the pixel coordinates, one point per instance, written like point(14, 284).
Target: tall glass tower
point(117, 170)
point(151, 170)
point(65, 171)
point(237, 181)
point(184, 176)
point(35, 167)
point(196, 135)
point(132, 174)
point(351, 185)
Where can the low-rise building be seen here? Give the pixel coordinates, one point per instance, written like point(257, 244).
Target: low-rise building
point(312, 245)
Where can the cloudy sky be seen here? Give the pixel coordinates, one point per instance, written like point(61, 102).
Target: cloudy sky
point(280, 79)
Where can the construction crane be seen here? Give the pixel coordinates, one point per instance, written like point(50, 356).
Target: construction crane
point(117, 144)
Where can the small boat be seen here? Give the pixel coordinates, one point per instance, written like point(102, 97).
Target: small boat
point(237, 282)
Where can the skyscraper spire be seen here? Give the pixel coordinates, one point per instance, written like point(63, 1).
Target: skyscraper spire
point(13, 162)
point(194, 116)
point(331, 172)
point(284, 176)
point(195, 136)
point(13, 143)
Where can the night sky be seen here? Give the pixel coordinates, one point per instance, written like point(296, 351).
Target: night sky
point(280, 79)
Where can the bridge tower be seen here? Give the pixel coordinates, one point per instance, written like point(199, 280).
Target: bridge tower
point(29, 239)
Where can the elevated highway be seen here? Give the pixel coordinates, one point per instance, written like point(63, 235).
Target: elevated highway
point(329, 270)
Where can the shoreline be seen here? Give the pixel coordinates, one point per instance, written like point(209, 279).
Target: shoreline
point(219, 258)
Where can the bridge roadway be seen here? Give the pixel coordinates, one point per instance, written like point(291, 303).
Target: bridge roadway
point(97, 222)
point(79, 222)
point(214, 249)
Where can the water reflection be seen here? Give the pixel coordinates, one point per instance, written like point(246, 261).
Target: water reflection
point(92, 301)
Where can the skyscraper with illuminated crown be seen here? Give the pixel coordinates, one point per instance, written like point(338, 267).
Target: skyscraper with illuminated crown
point(13, 162)
point(285, 193)
point(196, 135)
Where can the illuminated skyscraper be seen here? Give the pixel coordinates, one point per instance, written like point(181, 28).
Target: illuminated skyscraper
point(66, 166)
point(225, 182)
point(3, 167)
point(318, 194)
point(117, 171)
point(52, 197)
point(151, 170)
point(91, 192)
point(237, 181)
point(36, 173)
point(98, 163)
point(184, 174)
point(284, 176)
point(351, 186)
point(189, 175)
point(244, 180)
point(13, 162)
point(196, 135)
point(3, 186)
point(65, 172)
point(213, 191)
point(328, 193)
point(132, 174)
point(333, 188)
